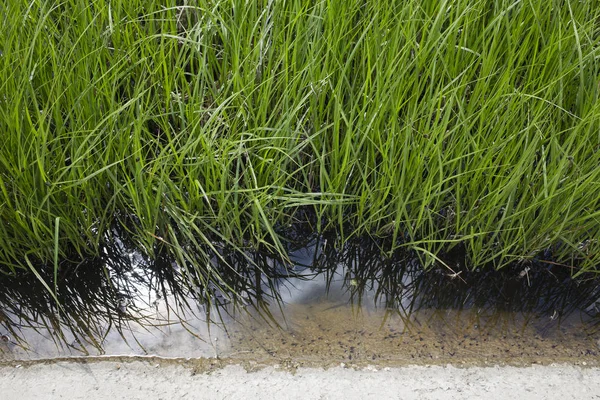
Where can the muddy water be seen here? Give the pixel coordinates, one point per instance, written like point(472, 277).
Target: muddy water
point(333, 331)
point(328, 332)
point(353, 312)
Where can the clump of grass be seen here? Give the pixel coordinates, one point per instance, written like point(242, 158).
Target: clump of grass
point(193, 127)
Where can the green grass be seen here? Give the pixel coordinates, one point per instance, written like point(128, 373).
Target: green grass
point(193, 127)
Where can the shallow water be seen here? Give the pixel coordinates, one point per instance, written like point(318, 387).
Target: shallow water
point(343, 310)
point(334, 330)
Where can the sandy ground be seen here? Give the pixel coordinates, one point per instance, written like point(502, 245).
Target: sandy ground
point(148, 380)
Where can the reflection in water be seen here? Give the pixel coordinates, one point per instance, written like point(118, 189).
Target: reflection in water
point(331, 302)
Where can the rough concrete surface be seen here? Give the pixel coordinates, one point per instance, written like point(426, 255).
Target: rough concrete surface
point(147, 380)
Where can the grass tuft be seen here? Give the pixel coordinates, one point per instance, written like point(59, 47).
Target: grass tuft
point(194, 127)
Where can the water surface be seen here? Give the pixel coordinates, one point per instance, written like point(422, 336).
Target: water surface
point(350, 305)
